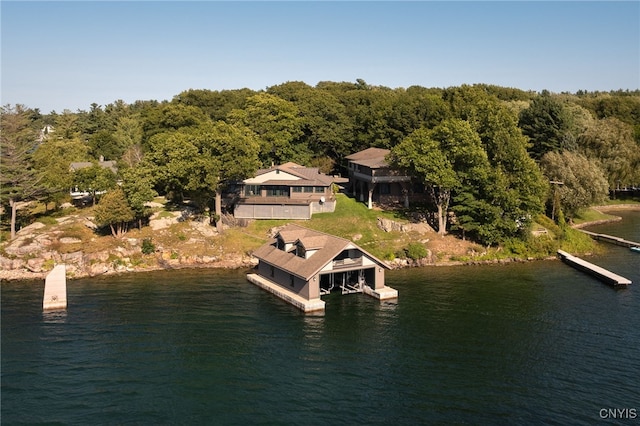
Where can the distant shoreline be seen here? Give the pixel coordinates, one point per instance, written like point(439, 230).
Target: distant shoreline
point(608, 208)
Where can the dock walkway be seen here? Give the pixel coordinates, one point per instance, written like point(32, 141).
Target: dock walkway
point(611, 239)
point(594, 270)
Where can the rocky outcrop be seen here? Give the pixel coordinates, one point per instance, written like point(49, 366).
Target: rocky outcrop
point(388, 225)
point(35, 251)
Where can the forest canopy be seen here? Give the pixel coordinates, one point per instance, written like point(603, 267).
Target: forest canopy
point(486, 153)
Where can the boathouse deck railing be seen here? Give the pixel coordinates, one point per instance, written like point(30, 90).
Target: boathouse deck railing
point(347, 263)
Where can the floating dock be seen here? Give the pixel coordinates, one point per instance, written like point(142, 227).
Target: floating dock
point(611, 239)
point(594, 270)
point(384, 293)
point(55, 289)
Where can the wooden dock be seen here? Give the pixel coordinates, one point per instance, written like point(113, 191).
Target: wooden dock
point(594, 270)
point(611, 239)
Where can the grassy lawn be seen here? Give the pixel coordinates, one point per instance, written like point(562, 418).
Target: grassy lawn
point(590, 215)
point(616, 201)
point(351, 220)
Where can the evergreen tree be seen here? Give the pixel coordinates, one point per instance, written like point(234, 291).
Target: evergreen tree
point(18, 179)
point(545, 123)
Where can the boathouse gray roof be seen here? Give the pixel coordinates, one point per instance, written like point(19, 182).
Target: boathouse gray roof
point(328, 247)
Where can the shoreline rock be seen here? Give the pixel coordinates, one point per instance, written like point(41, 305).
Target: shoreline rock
point(75, 270)
point(88, 265)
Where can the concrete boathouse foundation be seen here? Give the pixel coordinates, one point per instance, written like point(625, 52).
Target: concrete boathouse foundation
point(305, 305)
point(314, 305)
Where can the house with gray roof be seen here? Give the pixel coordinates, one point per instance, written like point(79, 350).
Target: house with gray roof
point(287, 191)
point(300, 265)
point(79, 194)
point(371, 179)
point(109, 164)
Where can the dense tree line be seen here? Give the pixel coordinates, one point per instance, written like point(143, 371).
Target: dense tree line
point(486, 153)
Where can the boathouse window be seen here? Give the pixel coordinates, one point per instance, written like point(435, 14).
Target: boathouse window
point(291, 280)
point(272, 270)
point(301, 251)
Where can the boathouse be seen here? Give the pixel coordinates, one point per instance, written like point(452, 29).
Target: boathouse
point(300, 265)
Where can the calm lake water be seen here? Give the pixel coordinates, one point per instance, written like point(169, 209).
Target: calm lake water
point(529, 343)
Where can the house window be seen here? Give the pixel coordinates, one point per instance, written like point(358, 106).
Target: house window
point(385, 188)
point(297, 189)
point(292, 281)
point(308, 189)
point(251, 190)
point(280, 243)
point(272, 270)
point(319, 190)
point(277, 191)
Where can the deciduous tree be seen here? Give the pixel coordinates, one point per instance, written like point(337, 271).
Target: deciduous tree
point(94, 179)
point(610, 142)
point(52, 159)
point(278, 125)
point(114, 211)
point(581, 182)
point(423, 157)
point(201, 161)
point(138, 186)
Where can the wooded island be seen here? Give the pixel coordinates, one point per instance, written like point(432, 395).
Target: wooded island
point(489, 159)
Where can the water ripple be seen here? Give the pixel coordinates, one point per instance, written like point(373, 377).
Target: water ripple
point(519, 344)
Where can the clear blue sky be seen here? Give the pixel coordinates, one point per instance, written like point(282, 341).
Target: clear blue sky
point(67, 55)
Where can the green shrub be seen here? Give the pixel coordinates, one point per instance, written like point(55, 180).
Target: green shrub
point(390, 256)
point(516, 246)
point(147, 246)
point(416, 251)
point(48, 264)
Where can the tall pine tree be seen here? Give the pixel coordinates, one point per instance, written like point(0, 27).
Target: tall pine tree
point(19, 181)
